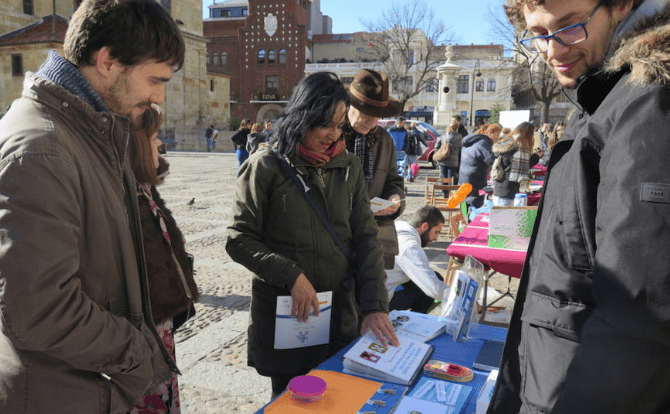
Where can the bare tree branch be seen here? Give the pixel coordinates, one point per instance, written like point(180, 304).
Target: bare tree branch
point(409, 41)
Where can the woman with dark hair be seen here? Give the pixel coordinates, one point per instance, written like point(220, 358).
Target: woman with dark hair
point(239, 139)
point(172, 288)
point(277, 234)
point(515, 149)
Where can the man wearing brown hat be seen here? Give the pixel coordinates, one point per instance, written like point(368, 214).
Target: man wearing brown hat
point(374, 147)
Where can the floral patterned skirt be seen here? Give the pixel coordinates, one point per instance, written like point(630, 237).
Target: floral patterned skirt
point(166, 399)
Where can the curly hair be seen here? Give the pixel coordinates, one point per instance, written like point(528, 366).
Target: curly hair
point(514, 8)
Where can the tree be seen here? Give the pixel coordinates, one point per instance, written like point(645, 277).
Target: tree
point(408, 41)
point(532, 74)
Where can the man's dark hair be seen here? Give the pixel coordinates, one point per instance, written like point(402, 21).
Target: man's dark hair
point(400, 119)
point(134, 30)
point(313, 104)
point(457, 117)
point(426, 214)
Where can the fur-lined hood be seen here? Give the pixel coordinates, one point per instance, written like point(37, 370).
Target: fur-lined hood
point(505, 146)
point(646, 50)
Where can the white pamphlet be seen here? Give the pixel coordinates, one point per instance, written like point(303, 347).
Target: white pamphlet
point(416, 326)
point(289, 333)
point(377, 204)
point(411, 405)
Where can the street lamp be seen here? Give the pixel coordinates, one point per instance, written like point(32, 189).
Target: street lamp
point(475, 74)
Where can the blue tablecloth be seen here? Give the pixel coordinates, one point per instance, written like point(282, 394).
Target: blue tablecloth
point(445, 350)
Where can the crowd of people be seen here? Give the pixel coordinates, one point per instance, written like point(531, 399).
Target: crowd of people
point(95, 277)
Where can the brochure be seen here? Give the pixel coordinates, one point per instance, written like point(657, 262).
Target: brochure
point(289, 333)
point(437, 396)
point(378, 204)
point(416, 326)
point(400, 365)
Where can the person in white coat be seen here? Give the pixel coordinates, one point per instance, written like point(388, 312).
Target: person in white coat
point(412, 284)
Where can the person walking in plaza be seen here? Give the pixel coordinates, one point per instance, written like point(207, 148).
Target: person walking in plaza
point(279, 235)
point(76, 333)
point(461, 127)
point(239, 139)
point(374, 148)
point(412, 150)
point(208, 137)
point(170, 272)
point(515, 150)
point(400, 139)
point(590, 330)
point(449, 166)
point(215, 137)
point(412, 284)
point(476, 159)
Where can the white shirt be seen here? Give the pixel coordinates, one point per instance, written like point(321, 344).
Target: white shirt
point(411, 263)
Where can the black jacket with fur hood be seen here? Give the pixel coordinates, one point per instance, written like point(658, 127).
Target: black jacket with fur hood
point(590, 330)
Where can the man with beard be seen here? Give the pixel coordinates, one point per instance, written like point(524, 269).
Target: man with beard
point(76, 333)
point(590, 330)
point(412, 284)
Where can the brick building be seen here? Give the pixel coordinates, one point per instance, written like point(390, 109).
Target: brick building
point(262, 45)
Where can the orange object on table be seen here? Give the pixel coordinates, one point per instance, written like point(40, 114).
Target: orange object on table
point(345, 394)
point(459, 195)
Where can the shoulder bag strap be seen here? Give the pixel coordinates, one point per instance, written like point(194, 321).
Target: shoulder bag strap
point(312, 201)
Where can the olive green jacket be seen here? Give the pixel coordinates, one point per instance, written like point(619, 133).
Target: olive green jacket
point(276, 234)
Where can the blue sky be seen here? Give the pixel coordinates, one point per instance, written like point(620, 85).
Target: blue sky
point(468, 19)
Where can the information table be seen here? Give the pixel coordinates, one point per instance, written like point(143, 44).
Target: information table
point(445, 350)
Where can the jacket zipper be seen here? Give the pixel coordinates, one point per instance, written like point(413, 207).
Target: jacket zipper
point(323, 183)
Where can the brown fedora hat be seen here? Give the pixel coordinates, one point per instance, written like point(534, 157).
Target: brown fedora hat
point(369, 93)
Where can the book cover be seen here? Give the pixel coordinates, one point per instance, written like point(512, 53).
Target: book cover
point(489, 356)
point(416, 326)
point(400, 365)
point(450, 395)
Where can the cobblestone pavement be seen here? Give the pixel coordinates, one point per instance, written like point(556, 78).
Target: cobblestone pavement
point(211, 347)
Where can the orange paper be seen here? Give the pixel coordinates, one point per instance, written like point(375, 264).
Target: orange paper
point(344, 394)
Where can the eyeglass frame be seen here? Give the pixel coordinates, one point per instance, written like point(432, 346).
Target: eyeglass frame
point(523, 42)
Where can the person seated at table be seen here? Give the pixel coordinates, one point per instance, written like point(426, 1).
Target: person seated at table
point(515, 149)
point(412, 284)
point(476, 160)
point(277, 234)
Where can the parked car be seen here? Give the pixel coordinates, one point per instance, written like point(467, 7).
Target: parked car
point(429, 132)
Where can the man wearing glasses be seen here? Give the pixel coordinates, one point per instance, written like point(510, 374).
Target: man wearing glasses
point(590, 331)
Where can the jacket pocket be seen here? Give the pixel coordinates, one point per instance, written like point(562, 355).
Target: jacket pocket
point(550, 335)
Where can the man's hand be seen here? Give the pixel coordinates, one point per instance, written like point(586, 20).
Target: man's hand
point(390, 209)
point(304, 298)
point(380, 325)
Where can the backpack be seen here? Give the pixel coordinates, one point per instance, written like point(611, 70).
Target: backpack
point(498, 170)
point(443, 152)
point(412, 145)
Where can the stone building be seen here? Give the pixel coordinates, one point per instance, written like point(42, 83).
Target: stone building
point(262, 45)
point(475, 81)
point(194, 97)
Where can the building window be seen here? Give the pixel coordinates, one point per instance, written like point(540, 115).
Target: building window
point(491, 85)
point(463, 84)
point(28, 6)
point(405, 84)
point(216, 58)
point(209, 59)
point(479, 85)
point(360, 49)
point(167, 5)
point(282, 55)
point(261, 56)
point(272, 56)
point(211, 85)
point(224, 58)
point(17, 65)
point(271, 84)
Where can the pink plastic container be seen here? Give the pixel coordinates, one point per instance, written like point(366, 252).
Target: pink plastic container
point(307, 388)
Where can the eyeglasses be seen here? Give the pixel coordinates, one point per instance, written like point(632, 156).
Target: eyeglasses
point(566, 36)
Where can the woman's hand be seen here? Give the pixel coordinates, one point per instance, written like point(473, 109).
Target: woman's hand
point(304, 298)
point(380, 325)
point(392, 208)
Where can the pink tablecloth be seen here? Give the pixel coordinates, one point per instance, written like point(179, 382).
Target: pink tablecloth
point(538, 170)
point(474, 241)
